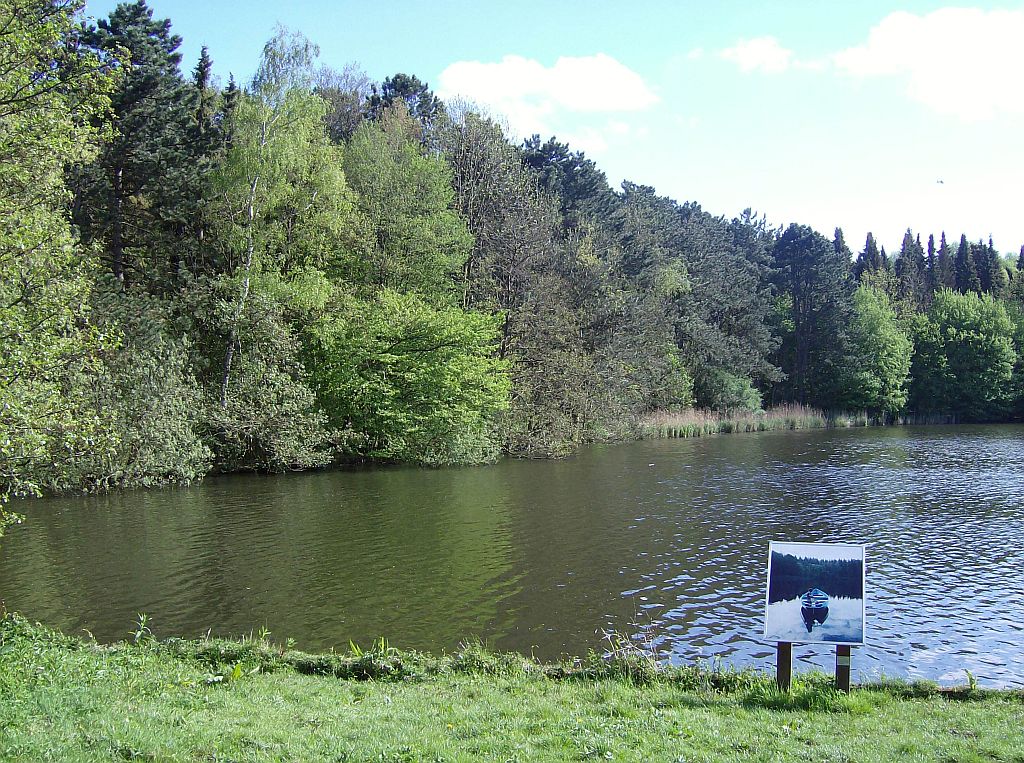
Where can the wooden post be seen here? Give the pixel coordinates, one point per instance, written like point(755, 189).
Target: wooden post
point(784, 665)
point(843, 664)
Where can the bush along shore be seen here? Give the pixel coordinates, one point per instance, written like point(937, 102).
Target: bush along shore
point(250, 700)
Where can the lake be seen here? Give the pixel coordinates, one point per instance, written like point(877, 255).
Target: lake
point(663, 540)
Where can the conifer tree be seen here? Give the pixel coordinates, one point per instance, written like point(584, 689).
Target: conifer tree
point(577, 181)
point(135, 197)
point(817, 284)
point(965, 269)
point(868, 259)
point(205, 97)
point(931, 265)
point(945, 277)
point(983, 264)
point(910, 273)
point(419, 100)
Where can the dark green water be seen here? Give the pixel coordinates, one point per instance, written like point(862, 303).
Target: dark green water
point(665, 540)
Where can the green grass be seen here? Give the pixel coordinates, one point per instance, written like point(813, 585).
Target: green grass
point(212, 700)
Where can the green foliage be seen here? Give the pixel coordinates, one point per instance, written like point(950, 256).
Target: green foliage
point(279, 198)
point(728, 393)
point(411, 238)
point(271, 420)
point(279, 215)
point(404, 380)
point(966, 268)
point(50, 93)
point(911, 276)
point(1015, 312)
point(415, 96)
point(879, 366)
point(138, 200)
point(313, 266)
point(964, 357)
point(146, 402)
point(817, 279)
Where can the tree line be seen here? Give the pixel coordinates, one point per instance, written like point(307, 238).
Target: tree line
point(792, 576)
point(311, 267)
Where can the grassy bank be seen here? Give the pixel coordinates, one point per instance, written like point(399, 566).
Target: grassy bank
point(65, 699)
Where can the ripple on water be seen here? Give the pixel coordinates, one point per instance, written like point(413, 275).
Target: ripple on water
point(666, 541)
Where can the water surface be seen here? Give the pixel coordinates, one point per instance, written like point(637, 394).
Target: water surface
point(664, 540)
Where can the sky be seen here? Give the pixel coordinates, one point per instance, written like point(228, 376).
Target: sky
point(869, 116)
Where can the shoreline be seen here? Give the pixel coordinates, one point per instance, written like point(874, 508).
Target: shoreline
point(215, 699)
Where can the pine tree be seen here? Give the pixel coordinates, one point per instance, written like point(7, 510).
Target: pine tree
point(205, 99)
point(998, 281)
point(945, 277)
point(931, 277)
point(868, 259)
point(817, 284)
point(577, 181)
point(910, 272)
point(966, 271)
point(136, 197)
point(419, 100)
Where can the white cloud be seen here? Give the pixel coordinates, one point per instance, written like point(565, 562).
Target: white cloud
point(961, 61)
point(536, 98)
point(759, 54)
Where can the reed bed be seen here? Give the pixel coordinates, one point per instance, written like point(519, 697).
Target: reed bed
point(698, 423)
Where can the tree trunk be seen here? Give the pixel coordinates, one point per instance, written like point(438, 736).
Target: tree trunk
point(116, 239)
point(250, 248)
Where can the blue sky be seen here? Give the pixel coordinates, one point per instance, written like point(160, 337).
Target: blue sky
point(826, 114)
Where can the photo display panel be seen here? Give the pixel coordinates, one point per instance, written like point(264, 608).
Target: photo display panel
point(815, 593)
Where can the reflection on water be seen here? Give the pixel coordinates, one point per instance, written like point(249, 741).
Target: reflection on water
point(666, 540)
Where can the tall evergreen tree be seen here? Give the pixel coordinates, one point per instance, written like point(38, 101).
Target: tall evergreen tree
point(965, 269)
point(945, 277)
point(1000, 277)
point(416, 95)
point(816, 283)
point(723, 313)
point(576, 180)
point(839, 243)
point(910, 273)
point(136, 197)
point(868, 259)
point(931, 277)
point(984, 265)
